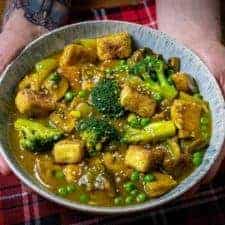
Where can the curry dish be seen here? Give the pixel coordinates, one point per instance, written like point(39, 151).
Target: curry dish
point(103, 124)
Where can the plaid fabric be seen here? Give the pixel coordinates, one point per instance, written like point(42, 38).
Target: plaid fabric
point(19, 205)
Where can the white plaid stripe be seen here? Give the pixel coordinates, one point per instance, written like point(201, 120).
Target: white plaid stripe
point(103, 14)
point(152, 21)
point(96, 14)
point(26, 209)
point(9, 197)
point(36, 209)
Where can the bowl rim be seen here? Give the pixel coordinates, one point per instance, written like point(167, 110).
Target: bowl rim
point(100, 209)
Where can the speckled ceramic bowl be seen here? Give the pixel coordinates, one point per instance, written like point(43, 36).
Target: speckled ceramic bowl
point(143, 36)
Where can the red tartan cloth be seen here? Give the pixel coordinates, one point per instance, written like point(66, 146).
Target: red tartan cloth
point(19, 205)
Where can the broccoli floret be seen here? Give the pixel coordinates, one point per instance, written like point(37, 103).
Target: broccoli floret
point(149, 74)
point(155, 79)
point(35, 136)
point(105, 98)
point(151, 133)
point(94, 132)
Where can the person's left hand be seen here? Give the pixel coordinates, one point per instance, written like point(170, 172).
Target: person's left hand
point(17, 33)
point(213, 54)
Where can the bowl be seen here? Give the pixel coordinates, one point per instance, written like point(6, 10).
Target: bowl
point(142, 36)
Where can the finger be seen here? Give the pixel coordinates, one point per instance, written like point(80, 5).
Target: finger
point(7, 52)
point(4, 169)
point(221, 80)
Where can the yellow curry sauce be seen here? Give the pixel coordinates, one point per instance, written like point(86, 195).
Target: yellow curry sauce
point(103, 124)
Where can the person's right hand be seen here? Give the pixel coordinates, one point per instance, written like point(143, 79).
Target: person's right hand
point(17, 32)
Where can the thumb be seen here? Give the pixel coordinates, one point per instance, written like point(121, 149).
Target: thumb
point(9, 48)
point(4, 169)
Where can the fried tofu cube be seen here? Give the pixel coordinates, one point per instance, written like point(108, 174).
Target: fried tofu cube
point(184, 82)
point(63, 120)
point(56, 91)
point(73, 75)
point(34, 103)
point(134, 101)
point(162, 184)
point(186, 115)
point(138, 158)
point(68, 151)
point(114, 46)
point(72, 172)
point(75, 54)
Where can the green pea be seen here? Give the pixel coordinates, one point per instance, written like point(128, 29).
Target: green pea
point(129, 199)
point(204, 120)
point(83, 93)
point(197, 158)
point(84, 109)
point(204, 128)
point(135, 175)
point(69, 96)
point(70, 188)
point(84, 198)
point(129, 186)
point(205, 135)
point(141, 197)
point(118, 200)
point(149, 178)
point(134, 192)
point(55, 77)
point(59, 174)
point(62, 191)
point(145, 121)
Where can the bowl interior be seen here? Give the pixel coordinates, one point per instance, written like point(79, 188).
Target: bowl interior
point(143, 37)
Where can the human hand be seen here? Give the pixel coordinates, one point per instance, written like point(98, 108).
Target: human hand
point(19, 28)
point(197, 25)
point(12, 40)
point(212, 53)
